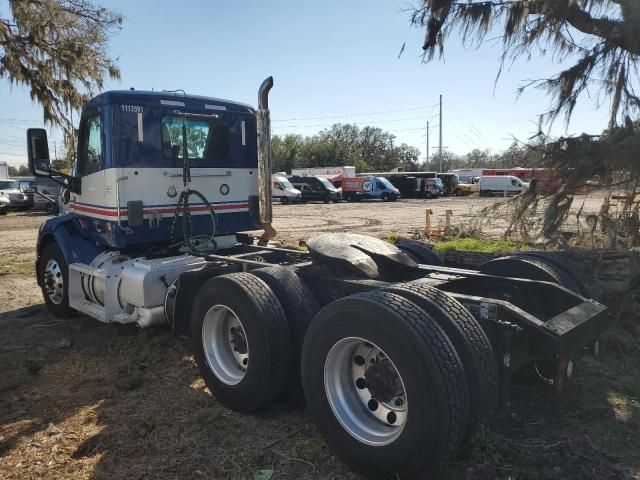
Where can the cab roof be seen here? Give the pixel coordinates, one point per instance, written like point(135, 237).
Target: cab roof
point(168, 99)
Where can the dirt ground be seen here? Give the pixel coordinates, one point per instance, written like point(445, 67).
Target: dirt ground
point(297, 222)
point(79, 399)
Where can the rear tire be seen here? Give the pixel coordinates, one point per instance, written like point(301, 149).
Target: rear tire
point(566, 277)
point(54, 277)
point(299, 306)
point(237, 317)
point(419, 252)
point(431, 380)
point(471, 343)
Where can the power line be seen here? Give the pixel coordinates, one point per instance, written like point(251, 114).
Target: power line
point(463, 131)
point(357, 123)
point(473, 128)
point(12, 154)
point(349, 115)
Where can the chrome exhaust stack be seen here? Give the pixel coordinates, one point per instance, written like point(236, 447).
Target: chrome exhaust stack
point(263, 118)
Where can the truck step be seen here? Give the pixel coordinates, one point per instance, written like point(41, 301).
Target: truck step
point(124, 318)
point(88, 270)
point(88, 308)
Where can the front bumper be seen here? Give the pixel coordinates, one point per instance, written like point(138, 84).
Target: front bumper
point(24, 202)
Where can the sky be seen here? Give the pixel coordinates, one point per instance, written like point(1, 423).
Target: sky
point(334, 61)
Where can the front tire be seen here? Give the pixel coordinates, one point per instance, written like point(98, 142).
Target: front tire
point(241, 341)
point(284, 200)
point(54, 278)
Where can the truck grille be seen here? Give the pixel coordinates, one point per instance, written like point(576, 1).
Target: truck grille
point(16, 196)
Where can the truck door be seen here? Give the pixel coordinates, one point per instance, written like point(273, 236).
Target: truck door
point(318, 190)
point(90, 167)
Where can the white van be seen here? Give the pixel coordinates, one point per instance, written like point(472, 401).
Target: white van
point(501, 185)
point(284, 191)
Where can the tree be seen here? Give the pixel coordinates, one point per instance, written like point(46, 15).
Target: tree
point(57, 48)
point(603, 36)
point(369, 149)
point(602, 40)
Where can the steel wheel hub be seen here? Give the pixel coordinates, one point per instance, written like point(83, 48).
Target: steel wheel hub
point(53, 282)
point(365, 391)
point(225, 344)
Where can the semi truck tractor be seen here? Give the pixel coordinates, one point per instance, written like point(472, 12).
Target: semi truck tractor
point(401, 359)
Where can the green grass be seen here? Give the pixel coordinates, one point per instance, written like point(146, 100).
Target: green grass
point(392, 238)
point(477, 245)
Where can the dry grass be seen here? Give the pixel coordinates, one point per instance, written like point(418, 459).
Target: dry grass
point(17, 259)
point(83, 400)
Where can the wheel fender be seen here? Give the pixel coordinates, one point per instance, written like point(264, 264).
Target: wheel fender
point(64, 231)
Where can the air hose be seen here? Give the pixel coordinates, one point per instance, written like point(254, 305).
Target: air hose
point(194, 244)
point(200, 243)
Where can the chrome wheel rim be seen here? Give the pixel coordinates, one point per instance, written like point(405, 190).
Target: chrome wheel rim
point(53, 282)
point(365, 391)
point(225, 344)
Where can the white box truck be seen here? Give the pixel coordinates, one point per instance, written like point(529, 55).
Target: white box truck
point(501, 185)
point(4, 170)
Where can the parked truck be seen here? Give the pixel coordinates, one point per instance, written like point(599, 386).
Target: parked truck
point(501, 185)
point(10, 189)
point(316, 188)
point(400, 358)
point(360, 188)
point(284, 191)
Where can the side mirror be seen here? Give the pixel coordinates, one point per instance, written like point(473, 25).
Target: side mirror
point(38, 152)
point(40, 162)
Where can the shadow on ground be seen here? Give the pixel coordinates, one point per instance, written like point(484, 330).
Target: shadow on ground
point(79, 399)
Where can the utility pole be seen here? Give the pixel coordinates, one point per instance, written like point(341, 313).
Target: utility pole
point(440, 147)
point(426, 163)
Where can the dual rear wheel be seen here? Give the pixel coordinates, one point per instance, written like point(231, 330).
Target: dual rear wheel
point(397, 380)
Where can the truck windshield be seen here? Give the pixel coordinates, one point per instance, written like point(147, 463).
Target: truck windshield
point(286, 184)
point(206, 139)
point(328, 185)
point(8, 184)
point(386, 183)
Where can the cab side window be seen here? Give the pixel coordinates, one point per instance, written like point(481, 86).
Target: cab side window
point(514, 183)
point(90, 160)
point(277, 186)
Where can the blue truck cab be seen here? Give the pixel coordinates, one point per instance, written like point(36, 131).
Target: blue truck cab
point(129, 172)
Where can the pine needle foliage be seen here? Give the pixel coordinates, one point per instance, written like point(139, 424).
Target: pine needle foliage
point(58, 50)
point(600, 39)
